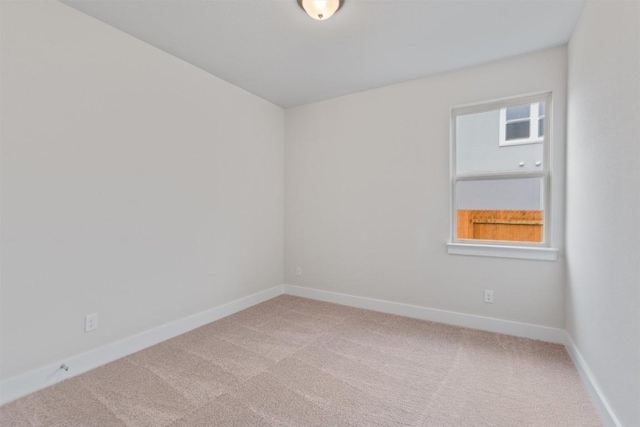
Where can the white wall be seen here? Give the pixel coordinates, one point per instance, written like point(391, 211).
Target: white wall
point(134, 185)
point(367, 195)
point(603, 200)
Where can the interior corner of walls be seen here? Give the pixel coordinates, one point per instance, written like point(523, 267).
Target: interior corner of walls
point(507, 327)
point(44, 376)
point(187, 205)
point(595, 392)
point(602, 271)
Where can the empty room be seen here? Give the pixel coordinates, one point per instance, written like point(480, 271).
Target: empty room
point(320, 213)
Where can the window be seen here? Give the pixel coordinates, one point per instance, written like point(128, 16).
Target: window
point(500, 179)
point(522, 124)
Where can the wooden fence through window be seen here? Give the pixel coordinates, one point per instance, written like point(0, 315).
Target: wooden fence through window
point(519, 226)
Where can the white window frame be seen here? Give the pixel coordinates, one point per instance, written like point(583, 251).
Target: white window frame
point(534, 116)
point(505, 249)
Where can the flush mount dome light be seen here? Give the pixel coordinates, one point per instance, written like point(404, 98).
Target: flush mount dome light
point(320, 9)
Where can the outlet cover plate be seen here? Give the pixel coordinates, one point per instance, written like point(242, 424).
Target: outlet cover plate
point(91, 322)
point(488, 296)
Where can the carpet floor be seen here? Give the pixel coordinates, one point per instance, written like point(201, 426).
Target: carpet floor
point(296, 362)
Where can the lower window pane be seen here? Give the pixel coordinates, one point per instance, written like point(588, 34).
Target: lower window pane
point(517, 130)
point(501, 210)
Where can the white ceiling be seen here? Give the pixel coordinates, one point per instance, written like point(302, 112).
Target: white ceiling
point(273, 49)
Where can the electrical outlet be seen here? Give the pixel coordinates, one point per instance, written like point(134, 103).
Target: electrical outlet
point(488, 296)
point(298, 271)
point(90, 322)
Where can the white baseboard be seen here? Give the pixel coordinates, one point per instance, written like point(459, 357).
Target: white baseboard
point(38, 379)
point(607, 416)
point(507, 327)
point(543, 333)
point(21, 385)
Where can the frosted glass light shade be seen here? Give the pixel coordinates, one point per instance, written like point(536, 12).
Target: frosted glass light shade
point(320, 9)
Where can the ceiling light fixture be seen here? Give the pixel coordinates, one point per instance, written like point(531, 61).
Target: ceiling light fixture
point(320, 10)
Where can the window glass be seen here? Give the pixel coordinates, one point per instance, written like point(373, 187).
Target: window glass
point(541, 114)
point(501, 209)
point(500, 174)
point(508, 194)
point(518, 130)
point(522, 124)
point(541, 127)
point(478, 149)
point(518, 112)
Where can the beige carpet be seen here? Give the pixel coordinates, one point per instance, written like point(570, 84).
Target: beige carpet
point(297, 362)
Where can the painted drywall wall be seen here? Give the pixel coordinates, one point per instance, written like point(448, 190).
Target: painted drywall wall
point(603, 200)
point(367, 186)
point(134, 185)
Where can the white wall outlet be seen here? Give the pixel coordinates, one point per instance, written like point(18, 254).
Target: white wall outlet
point(90, 322)
point(488, 296)
point(298, 271)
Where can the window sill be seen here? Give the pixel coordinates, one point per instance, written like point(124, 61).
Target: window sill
point(519, 252)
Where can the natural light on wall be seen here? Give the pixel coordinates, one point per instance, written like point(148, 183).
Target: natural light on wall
point(320, 10)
